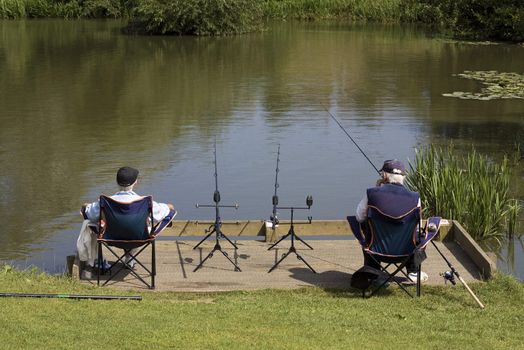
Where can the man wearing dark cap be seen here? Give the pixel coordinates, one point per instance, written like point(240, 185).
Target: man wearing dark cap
point(388, 195)
point(126, 178)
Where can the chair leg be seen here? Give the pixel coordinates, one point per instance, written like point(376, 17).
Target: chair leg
point(121, 258)
point(391, 277)
point(99, 258)
point(418, 279)
point(153, 267)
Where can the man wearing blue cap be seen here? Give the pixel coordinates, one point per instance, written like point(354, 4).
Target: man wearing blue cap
point(126, 178)
point(390, 194)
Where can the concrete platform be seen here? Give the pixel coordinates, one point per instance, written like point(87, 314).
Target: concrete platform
point(334, 261)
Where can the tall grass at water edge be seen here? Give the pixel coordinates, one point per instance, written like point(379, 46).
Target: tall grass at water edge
point(373, 10)
point(68, 9)
point(207, 11)
point(470, 189)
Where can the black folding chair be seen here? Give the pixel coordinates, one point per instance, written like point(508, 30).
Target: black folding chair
point(394, 241)
point(128, 226)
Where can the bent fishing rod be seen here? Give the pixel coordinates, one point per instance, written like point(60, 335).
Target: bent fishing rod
point(448, 275)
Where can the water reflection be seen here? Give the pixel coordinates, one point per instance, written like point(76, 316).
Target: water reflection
point(79, 100)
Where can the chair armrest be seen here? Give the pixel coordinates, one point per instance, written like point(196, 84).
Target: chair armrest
point(431, 230)
point(165, 222)
point(433, 223)
point(357, 230)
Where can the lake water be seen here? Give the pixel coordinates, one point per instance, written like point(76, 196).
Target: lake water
point(79, 99)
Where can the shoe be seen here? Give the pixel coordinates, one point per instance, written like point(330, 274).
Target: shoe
point(413, 276)
point(105, 264)
point(130, 261)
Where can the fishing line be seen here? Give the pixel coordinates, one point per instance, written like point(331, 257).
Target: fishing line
point(354, 142)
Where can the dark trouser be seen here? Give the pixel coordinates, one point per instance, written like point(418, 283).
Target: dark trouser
point(369, 261)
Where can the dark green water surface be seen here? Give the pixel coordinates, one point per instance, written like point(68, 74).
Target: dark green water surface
point(78, 99)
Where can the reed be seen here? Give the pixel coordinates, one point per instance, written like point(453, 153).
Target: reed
point(375, 10)
point(17, 9)
point(471, 189)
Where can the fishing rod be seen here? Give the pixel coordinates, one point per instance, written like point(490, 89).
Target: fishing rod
point(71, 296)
point(216, 227)
point(448, 275)
point(274, 217)
point(354, 142)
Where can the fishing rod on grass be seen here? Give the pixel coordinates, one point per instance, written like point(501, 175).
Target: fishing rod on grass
point(216, 227)
point(71, 296)
point(448, 275)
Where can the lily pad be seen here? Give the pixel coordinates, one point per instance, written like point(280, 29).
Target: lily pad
point(465, 42)
point(496, 85)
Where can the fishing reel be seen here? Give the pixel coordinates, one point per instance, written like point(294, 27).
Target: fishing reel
point(449, 276)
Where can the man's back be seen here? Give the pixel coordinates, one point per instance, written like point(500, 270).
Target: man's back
point(392, 199)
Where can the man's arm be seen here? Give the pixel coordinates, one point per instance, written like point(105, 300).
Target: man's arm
point(161, 210)
point(362, 209)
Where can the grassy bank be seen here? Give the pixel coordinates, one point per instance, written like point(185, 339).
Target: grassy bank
point(471, 19)
point(311, 318)
point(471, 189)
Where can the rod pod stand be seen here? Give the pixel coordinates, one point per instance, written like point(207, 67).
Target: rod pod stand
point(216, 227)
point(291, 233)
point(274, 215)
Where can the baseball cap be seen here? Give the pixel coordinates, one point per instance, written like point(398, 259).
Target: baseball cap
point(394, 166)
point(126, 176)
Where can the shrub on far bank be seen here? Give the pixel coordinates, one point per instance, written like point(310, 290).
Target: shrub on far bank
point(196, 17)
point(471, 19)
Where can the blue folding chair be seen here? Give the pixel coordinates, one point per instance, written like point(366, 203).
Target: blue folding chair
point(129, 226)
point(397, 241)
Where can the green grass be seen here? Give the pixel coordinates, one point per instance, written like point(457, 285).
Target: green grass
point(309, 318)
